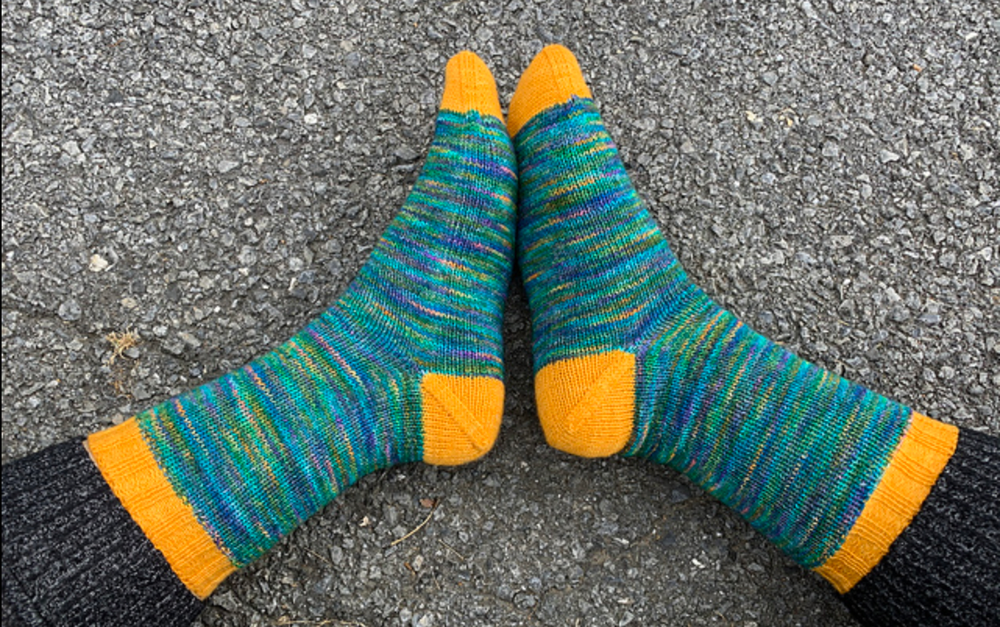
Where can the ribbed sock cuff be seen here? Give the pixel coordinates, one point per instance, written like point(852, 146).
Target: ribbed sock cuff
point(72, 555)
point(135, 477)
point(912, 472)
point(944, 569)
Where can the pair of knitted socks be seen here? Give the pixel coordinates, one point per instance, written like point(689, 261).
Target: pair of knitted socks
point(630, 357)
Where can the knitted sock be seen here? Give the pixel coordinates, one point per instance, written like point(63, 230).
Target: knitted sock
point(406, 365)
point(631, 357)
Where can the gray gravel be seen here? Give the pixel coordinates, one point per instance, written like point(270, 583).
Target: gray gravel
point(211, 175)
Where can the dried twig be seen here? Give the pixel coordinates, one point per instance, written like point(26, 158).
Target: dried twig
point(417, 528)
point(319, 623)
point(319, 557)
point(452, 549)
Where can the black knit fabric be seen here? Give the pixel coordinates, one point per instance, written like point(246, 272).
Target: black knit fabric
point(73, 556)
point(944, 569)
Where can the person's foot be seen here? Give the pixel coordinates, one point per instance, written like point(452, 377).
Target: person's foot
point(406, 365)
point(631, 357)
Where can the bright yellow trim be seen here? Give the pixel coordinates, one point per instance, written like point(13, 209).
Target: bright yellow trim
point(461, 417)
point(469, 86)
point(913, 470)
point(170, 524)
point(552, 78)
point(587, 404)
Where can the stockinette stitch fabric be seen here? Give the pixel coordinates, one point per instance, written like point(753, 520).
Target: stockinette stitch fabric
point(632, 358)
point(406, 366)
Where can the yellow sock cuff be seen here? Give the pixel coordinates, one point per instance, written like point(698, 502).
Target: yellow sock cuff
point(469, 86)
point(133, 475)
point(913, 470)
point(552, 78)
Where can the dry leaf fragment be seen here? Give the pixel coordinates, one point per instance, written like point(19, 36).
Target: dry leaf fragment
point(121, 342)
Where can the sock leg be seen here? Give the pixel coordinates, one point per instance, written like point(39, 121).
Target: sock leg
point(632, 357)
point(405, 366)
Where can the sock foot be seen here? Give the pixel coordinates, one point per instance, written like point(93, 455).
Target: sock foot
point(586, 404)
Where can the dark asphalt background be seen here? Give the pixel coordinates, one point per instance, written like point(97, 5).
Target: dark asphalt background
point(211, 174)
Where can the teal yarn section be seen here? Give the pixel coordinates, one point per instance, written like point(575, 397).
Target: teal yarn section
point(794, 449)
point(260, 450)
point(598, 273)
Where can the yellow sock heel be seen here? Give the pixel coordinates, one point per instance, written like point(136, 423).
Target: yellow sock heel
point(586, 404)
point(461, 417)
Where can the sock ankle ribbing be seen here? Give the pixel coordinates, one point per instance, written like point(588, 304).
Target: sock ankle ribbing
point(631, 357)
point(406, 365)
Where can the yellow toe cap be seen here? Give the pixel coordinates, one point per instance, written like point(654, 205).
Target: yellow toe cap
point(469, 86)
point(552, 78)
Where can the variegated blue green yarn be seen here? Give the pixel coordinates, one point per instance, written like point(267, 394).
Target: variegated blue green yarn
point(261, 449)
point(793, 448)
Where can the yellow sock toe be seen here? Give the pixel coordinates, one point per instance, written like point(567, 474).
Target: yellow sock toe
point(469, 86)
point(552, 78)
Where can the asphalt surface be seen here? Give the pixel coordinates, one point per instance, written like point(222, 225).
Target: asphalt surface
point(211, 175)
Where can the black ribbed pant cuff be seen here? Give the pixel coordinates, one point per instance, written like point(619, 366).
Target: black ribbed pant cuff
point(72, 555)
point(944, 569)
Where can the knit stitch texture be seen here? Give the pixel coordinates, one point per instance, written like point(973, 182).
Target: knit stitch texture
point(73, 556)
point(944, 570)
point(793, 448)
point(261, 449)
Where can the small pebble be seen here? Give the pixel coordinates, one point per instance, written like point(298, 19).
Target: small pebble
point(225, 166)
point(97, 263)
point(70, 311)
point(887, 156)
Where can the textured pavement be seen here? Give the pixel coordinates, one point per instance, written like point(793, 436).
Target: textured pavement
point(211, 175)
